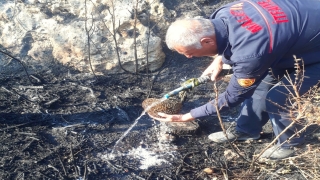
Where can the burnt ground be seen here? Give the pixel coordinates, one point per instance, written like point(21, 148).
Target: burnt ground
point(65, 126)
point(72, 125)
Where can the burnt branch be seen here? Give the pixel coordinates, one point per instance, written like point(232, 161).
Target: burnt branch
point(88, 37)
point(24, 67)
point(221, 123)
point(135, 36)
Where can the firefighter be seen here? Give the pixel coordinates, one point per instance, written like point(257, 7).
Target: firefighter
point(260, 40)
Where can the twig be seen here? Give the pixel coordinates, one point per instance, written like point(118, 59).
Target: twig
point(197, 7)
point(54, 168)
point(166, 176)
point(302, 172)
point(19, 95)
point(88, 88)
point(152, 83)
point(69, 126)
point(30, 134)
point(25, 69)
point(147, 48)
point(64, 169)
point(113, 166)
point(150, 175)
point(114, 35)
point(30, 87)
point(52, 101)
point(79, 170)
point(44, 175)
point(268, 171)
point(28, 145)
point(72, 158)
point(221, 123)
point(34, 138)
point(178, 169)
point(82, 149)
point(225, 173)
point(85, 171)
point(3, 129)
point(37, 79)
point(88, 37)
point(135, 36)
point(186, 156)
point(137, 177)
point(5, 89)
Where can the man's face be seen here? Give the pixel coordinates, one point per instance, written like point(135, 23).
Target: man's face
point(208, 48)
point(193, 52)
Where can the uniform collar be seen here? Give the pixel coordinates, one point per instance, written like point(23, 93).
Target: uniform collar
point(221, 34)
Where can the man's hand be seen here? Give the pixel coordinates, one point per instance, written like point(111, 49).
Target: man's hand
point(174, 118)
point(214, 69)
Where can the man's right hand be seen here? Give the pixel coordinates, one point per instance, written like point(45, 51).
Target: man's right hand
point(174, 117)
point(214, 69)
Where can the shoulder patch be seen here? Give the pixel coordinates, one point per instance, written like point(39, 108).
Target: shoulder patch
point(246, 82)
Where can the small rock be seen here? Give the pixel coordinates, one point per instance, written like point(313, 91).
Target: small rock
point(317, 136)
point(229, 154)
point(208, 170)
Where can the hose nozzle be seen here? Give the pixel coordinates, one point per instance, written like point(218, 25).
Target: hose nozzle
point(189, 84)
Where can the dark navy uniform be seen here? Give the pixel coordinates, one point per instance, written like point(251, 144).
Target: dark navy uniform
point(254, 36)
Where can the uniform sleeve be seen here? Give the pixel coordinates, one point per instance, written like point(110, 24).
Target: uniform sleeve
point(235, 93)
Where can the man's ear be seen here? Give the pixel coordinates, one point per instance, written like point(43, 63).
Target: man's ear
point(207, 41)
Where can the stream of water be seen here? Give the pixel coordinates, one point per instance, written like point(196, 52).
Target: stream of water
point(111, 155)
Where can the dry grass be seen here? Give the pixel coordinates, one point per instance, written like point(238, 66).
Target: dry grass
point(311, 102)
point(303, 109)
point(307, 163)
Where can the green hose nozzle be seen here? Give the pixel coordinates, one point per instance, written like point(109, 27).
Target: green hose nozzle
point(189, 84)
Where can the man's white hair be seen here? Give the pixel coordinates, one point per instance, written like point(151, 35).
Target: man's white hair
point(188, 32)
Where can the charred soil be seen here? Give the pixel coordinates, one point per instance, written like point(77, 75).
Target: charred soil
point(66, 126)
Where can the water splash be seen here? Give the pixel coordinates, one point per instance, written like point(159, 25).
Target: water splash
point(112, 155)
point(153, 156)
point(152, 152)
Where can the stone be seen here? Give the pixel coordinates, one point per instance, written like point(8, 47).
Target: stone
point(44, 32)
point(208, 170)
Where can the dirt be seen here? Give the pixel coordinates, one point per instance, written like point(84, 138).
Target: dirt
point(72, 125)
